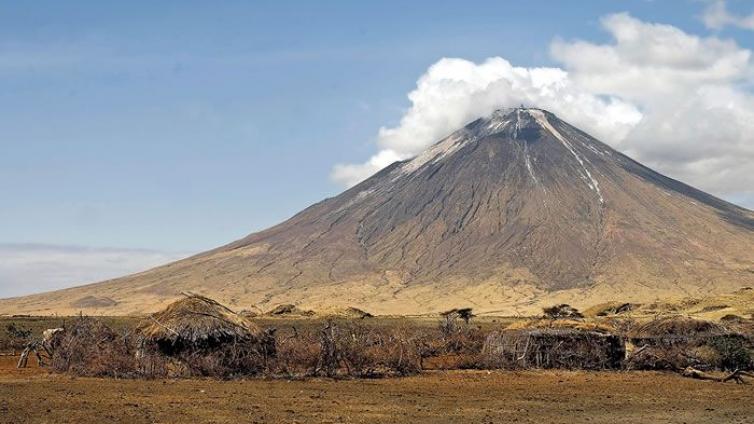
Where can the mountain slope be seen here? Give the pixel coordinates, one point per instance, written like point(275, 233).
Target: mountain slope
point(513, 211)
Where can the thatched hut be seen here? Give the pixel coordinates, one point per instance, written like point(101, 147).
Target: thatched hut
point(562, 311)
point(607, 309)
point(740, 325)
point(288, 309)
point(675, 330)
point(566, 344)
point(560, 324)
point(678, 342)
point(197, 323)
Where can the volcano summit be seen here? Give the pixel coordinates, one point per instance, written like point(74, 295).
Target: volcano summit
point(514, 210)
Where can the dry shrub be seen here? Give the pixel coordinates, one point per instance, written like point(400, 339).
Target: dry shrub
point(458, 337)
point(88, 347)
point(16, 337)
point(371, 353)
point(359, 351)
point(297, 356)
point(453, 344)
point(347, 350)
point(457, 346)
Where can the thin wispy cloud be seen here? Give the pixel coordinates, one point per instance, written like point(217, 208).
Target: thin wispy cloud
point(32, 268)
point(717, 16)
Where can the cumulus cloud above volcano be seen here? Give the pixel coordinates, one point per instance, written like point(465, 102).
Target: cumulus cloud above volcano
point(455, 91)
point(676, 101)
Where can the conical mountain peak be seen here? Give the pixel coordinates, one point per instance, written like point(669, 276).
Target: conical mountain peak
point(515, 210)
point(512, 123)
point(534, 141)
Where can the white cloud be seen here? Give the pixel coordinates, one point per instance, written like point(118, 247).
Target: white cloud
point(717, 16)
point(455, 91)
point(675, 101)
point(31, 268)
point(351, 174)
point(691, 90)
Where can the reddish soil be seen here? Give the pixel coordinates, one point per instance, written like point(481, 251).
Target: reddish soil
point(35, 396)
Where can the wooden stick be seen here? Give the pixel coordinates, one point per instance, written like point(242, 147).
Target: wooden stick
point(699, 375)
point(24, 358)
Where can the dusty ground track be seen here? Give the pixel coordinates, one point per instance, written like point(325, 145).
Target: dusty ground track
point(34, 396)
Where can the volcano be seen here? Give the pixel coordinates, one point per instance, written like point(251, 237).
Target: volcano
point(511, 212)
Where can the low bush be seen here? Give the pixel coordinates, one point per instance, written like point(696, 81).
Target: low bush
point(16, 337)
point(734, 352)
point(347, 350)
point(88, 347)
point(297, 356)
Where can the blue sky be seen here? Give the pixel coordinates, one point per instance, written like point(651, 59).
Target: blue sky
point(178, 126)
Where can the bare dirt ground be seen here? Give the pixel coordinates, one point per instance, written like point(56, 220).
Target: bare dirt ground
point(35, 396)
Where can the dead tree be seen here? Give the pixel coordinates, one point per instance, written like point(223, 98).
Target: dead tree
point(736, 375)
point(329, 357)
point(42, 348)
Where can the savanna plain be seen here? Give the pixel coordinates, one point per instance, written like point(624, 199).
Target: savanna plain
point(39, 395)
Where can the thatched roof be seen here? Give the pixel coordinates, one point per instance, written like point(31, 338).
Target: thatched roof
point(611, 308)
point(199, 321)
point(677, 326)
point(731, 318)
point(349, 312)
point(559, 324)
point(288, 309)
point(739, 324)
